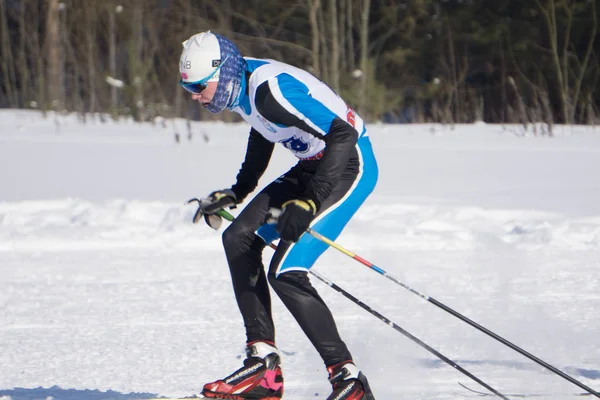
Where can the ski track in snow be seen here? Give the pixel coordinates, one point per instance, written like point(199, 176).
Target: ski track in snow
point(108, 291)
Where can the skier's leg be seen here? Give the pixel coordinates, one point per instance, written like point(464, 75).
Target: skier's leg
point(244, 256)
point(288, 277)
point(260, 377)
point(295, 290)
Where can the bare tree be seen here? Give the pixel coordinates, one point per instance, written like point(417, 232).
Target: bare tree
point(334, 79)
point(314, 6)
point(454, 100)
point(561, 55)
point(37, 54)
point(90, 36)
point(364, 54)
point(8, 71)
point(24, 70)
point(112, 54)
point(350, 54)
point(52, 46)
point(342, 37)
point(324, 48)
point(583, 66)
point(136, 63)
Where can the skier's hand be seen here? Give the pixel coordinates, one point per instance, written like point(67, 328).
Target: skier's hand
point(218, 200)
point(295, 218)
point(209, 206)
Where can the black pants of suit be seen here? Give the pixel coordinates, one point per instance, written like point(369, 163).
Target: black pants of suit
point(244, 248)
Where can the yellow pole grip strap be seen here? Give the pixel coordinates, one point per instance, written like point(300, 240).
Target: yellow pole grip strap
point(307, 205)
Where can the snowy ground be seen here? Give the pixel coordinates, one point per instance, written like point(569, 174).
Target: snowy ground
point(105, 285)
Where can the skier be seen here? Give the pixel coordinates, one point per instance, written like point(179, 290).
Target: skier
point(335, 173)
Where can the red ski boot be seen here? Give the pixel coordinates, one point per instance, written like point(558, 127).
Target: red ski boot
point(259, 379)
point(348, 383)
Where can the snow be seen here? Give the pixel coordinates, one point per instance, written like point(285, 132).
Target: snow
point(107, 290)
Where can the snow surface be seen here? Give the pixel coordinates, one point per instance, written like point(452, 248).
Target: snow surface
point(107, 290)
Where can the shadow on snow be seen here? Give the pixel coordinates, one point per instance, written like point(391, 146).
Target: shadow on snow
point(57, 393)
point(523, 366)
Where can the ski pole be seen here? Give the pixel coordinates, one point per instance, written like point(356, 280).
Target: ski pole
point(405, 333)
point(453, 312)
point(225, 214)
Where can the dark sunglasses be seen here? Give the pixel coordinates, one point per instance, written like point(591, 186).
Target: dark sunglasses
point(193, 87)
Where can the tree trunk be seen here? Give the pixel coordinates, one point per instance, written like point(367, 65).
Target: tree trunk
point(313, 9)
point(335, 48)
point(364, 57)
point(24, 71)
point(7, 61)
point(586, 59)
point(52, 45)
point(456, 106)
point(136, 63)
point(112, 56)
point(68, 59)
point(549, 14)
point(351, 55)
point(40, 72)
point(179, 92)
point(343, 36)
point(325, 67)
point(90, 14)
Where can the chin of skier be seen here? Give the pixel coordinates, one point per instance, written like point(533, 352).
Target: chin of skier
point(335, 173)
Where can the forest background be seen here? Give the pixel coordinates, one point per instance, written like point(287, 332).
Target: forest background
point(452, 61)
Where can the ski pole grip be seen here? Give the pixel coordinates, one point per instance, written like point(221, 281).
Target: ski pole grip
point(226, 214)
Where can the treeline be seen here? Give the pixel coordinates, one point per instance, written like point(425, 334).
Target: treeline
point(449, 61)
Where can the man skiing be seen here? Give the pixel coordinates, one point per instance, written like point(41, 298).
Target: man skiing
point(335, 173)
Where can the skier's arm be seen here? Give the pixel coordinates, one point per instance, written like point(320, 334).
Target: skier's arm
point(258, 155)
point(314, 117)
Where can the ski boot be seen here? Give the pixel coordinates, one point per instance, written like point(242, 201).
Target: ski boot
point(348, 383)
point(259, 379)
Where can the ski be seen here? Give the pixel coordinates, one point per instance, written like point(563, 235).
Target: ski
point(176, 398)
point(521, 395)
point(173, 398)
point(193, 397)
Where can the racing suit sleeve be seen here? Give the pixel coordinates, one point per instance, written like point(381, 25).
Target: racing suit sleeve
point(258, 155)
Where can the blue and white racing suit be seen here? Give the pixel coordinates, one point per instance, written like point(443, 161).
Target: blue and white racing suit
point(336, 169)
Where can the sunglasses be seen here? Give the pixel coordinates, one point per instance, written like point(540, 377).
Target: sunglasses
point(194, 87)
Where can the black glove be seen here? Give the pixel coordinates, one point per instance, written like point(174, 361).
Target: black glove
point(209, 206)
point(217, 201)
point(295, 218)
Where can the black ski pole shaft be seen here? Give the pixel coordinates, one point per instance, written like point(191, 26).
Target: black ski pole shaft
point(405, 333)
point(458, 315)
point(225, 214)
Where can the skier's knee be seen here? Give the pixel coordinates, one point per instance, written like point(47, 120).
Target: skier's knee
point(233, 234)
point(284, 281)
point(237, 240)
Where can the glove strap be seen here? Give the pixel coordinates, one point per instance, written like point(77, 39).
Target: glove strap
point(220, 195)
point(307, 205)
